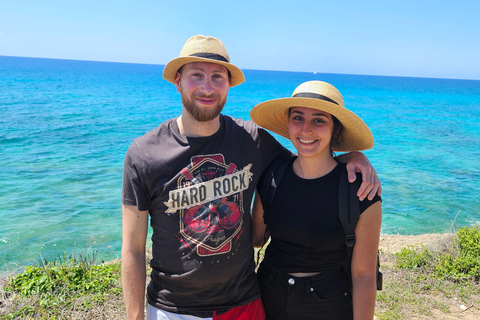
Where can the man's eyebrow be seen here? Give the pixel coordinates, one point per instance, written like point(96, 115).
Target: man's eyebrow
point(221, 70)
point(202, 69)
point(196, 69)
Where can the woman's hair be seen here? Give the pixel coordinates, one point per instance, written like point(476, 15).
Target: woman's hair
point(337, 136)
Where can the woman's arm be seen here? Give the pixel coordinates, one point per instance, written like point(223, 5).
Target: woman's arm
point(259, 227)
point(364, 262)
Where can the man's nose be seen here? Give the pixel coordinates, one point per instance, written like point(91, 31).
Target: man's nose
point(207, 85)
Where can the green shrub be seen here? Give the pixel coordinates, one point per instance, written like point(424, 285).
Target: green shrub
point(460, 262)
point(56, 286)
point(410, 258)
point(74, 279)
point(463, 261)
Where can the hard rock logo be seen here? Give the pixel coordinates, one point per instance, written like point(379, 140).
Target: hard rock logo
point(210, 200)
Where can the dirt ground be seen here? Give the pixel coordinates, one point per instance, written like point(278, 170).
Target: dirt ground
point(393, 244)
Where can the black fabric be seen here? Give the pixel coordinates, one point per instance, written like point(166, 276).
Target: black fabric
point(306, 233)
point(271, 178)
point(349, 214)
point(320, 297)
point(306, 247)
point(208, 55)
point(348, 208)
point(202, 246)
point(314, 96)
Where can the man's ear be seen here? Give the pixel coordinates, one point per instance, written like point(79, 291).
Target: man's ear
point(177, 81)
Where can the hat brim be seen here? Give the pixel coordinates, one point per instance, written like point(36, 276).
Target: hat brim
point(170, 70)
point(273, 115)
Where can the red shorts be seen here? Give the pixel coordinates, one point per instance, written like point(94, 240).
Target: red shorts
point(252, 311)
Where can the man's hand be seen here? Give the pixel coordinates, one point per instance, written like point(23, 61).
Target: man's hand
point(358, 162)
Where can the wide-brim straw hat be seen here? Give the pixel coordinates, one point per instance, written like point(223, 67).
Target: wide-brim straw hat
point(203, 49)
point(273, 114)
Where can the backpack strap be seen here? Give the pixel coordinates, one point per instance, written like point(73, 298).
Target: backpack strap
point(349, 214)
point(348, 206)
point(268, 184)
point(270, 179)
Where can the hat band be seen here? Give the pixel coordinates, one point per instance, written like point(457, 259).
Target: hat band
point(212, 56)
point(314, 96)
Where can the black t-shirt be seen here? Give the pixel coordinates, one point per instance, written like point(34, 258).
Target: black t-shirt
point(306, 232)
point(198, 192)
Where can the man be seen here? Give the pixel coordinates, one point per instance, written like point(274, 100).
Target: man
point(196, 175)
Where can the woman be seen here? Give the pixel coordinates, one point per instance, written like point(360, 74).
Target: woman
point(302, 275)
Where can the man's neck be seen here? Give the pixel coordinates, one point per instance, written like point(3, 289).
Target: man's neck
point(192, 128)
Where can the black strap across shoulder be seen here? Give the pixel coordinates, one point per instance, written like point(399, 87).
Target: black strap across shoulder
point(349, 214)
point(348, 204)
point(348, 217)
point(270, 179)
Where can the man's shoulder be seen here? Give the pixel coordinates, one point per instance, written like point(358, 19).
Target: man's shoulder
point(151, 140)
point(247, 125)
point(152, 135)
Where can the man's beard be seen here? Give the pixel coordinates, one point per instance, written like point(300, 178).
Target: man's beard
point(206, 113)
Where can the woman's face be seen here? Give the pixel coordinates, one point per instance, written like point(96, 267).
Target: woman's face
point(310, 131)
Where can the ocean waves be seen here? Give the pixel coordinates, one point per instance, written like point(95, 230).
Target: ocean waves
point(66, 125)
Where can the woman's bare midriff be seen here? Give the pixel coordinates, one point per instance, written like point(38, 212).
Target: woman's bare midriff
point(303, 274)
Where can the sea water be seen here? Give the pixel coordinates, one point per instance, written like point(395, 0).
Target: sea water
point(65, 127)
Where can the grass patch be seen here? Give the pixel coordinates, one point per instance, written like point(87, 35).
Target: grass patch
point(67, 288)
point(419, 283)
point(426, 282)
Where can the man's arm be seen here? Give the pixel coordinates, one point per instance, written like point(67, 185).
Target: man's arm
point(358, 162)
point(134, 230)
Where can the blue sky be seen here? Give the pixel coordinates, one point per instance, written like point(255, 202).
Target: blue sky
point(422, 38)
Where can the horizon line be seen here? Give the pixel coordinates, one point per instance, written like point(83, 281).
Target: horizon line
point(314, 72)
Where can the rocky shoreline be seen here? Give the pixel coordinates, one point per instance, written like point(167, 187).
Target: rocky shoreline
point(395, 243)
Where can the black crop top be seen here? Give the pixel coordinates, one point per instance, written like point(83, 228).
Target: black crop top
point(306, 233)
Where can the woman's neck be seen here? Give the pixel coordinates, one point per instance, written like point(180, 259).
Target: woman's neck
point(313, 167)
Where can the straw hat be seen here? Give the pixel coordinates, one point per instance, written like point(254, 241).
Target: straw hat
point(203, 49)
point(273, 114)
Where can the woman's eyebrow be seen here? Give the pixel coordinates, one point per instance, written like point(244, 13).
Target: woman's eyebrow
point(295, 111)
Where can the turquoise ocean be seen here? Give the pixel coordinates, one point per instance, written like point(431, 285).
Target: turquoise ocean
point(65, 127)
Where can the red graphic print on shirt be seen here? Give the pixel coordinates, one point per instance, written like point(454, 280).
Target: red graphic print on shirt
point(210, 200)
